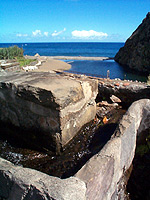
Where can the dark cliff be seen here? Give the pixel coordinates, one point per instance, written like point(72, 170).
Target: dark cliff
point(136, 52)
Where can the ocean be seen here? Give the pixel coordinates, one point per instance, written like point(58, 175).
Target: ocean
point(88, 49)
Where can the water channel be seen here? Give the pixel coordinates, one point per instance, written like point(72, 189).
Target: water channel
point(85, 144)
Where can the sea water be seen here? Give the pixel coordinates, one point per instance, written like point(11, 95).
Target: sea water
point(100, 68)
point(87, 49)
point(91, 49)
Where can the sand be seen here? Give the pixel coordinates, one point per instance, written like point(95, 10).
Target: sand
point(52, 63)
point(49, 64)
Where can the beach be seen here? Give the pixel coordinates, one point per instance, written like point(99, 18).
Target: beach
point(52, 63)
point(95, 66)
point(49, 64)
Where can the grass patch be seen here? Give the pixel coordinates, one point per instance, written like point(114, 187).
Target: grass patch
point(23, 61)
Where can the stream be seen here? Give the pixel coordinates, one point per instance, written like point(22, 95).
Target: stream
point(89, 141)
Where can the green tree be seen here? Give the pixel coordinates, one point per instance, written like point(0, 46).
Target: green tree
point(11, 52)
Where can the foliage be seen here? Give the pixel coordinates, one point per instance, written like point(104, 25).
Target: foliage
point(144, 148)
point(23, 61)
point(148, 81)
point(15, 53)
point(11, 52)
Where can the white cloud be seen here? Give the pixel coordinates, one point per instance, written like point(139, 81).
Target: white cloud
point(21, 35)
point(91, 34)
point(46, 33)
point(56, 33)
point(36, 33)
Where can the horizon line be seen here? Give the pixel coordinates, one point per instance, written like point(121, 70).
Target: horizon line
point(53, 42)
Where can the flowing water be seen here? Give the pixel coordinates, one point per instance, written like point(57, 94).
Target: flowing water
point(86, 143)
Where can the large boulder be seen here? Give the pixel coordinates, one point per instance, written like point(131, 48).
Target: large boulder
point(136, 52)
point(46, 110)
point(101, 178)
point(27, 184)
point(104, 172)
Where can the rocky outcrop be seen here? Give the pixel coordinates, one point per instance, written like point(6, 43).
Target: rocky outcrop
point(126, 91)
point(104, 171)
point(99, 179)
point(47, 109)
point(9, 66)
point(136, 52)
point(27, 184)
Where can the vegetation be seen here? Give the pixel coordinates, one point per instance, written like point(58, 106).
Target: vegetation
point(138, 184)
point(144, 148)
point(15, 53)
point(148, 81)
point(11, 52)
point(23, 61)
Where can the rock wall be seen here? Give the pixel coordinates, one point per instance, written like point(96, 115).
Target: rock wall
point(126, 91)
point(136, 52)
point(98, 179)
point(103, 172)
point(46, 110)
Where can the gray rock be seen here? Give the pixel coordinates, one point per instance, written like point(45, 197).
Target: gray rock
point(136, 51)
point(115, 99)
point(98, 175)
point(103, 173)
point(49, 108)
point(99, 179)
point(27, 184)
point(127, 92)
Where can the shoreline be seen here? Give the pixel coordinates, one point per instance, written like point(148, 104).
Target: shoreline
point(52, 63)
point(78, 58)
point(49, 64)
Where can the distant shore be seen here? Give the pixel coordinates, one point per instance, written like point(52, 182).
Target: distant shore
point(52, 63)
point(78, 58)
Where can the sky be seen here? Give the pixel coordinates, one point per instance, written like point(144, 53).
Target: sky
point(70, 20)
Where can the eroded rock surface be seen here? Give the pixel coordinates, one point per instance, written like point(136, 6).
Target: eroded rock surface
point(27, 184)
point(49, 109)
point(103, 172)
point(126, 91)
point(136, 52)
point(99, 179)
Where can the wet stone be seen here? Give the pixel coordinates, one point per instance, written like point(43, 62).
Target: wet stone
point(85, 144)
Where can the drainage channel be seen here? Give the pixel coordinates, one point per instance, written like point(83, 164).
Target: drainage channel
point(89, 141)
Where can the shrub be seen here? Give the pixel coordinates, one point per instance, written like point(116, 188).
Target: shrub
point(11, 52)
point(148, 81)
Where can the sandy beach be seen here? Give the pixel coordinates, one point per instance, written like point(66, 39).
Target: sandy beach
point(52, 63)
